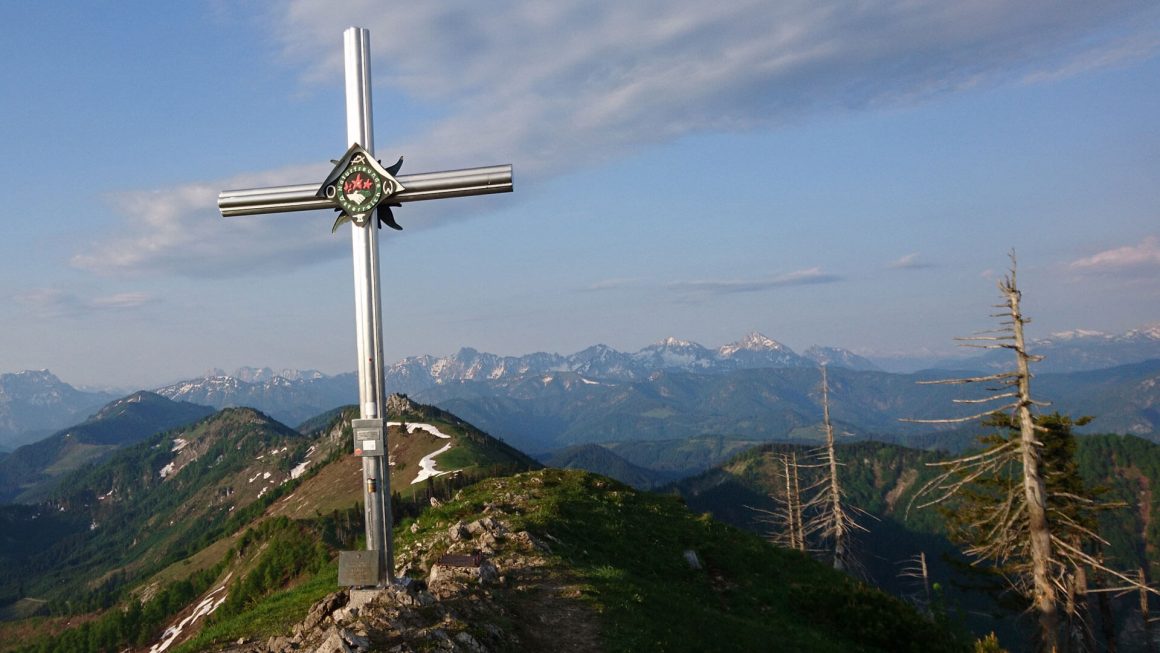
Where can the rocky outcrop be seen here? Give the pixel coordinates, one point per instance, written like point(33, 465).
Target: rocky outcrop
point(468, 586)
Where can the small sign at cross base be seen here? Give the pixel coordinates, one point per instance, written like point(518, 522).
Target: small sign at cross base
point(358, 568)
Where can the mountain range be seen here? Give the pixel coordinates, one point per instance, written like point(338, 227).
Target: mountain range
point(1075, 351)
point(485, 386)
point(294, 395)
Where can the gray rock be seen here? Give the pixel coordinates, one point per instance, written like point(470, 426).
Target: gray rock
point(458, 531)
point(470, 643)
point(692, 559)
point(334, 643)
point(322, 610)
point(356, 640)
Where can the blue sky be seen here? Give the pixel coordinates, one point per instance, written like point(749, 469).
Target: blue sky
point(835, 173)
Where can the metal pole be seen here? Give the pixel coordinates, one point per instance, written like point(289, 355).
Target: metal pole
point(368, 310)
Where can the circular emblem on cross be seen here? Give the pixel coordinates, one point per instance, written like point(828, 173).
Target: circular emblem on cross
point(358, 184)
point(359, 189)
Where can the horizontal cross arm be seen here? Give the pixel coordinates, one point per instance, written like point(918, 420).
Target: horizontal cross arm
point(417, 187)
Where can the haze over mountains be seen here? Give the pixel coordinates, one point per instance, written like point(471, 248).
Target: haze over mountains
point(484, 387)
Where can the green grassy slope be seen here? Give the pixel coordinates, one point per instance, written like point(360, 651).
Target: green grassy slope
point(623, 554)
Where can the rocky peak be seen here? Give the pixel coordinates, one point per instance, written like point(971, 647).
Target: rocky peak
point(754, 342)
point(400, 404)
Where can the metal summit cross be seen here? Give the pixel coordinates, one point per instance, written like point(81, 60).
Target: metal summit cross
point(363, 191)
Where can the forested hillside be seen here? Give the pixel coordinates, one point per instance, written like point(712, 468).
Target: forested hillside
point(31, 472)
point(881, 480)
point(236, 499)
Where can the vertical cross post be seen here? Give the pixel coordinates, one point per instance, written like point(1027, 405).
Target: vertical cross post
point(356, 178)
point(368, 310)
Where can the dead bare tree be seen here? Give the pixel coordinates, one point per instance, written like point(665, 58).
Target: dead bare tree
point(830, 519)
point(1037, 546)
point(787, 519)
point(793, 497)
point(915, 568)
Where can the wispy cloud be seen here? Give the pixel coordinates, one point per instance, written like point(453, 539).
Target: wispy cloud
point(179, 231)
point(54, 302)
point(728, 287)
point(909, 262)
point(1129, 259)
point(609, 284)
point(555, 87)
point(580, 81)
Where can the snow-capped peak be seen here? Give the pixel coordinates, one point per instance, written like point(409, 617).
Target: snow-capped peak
point(1075, 334)
point(753, 341)
point(1146, 332)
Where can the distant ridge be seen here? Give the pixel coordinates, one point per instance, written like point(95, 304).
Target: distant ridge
point(497, 391)
point(1083, 350)
point(32, 471)
point(545, 401)
point(291, 396)
point(34, 403)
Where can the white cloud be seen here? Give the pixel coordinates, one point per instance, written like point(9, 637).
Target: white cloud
point(554, 87)
point(609, 284)
point(179, 230)
point(804, 277)
point(122, 301)
point(567, 83)
point(909, 262)
point(54, 302)
point(1127, 259)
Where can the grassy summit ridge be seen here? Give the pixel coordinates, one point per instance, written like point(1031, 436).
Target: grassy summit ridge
point(609, 572)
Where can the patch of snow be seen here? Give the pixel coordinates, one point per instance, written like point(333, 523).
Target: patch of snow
point(589, 381)
point(210, 603)
point(168, 469)
point(266, 475)
point(299, 469)
point(413, 426)
point(179, 444)
point(427, 465)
